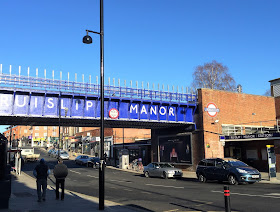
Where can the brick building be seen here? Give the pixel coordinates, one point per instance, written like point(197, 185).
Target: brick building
point(239, 117)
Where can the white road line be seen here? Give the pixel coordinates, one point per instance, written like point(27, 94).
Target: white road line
point(128, 189)
point(273, 194)
point(250, 195)
point(164, 186)
point(75, 172)
point(93, 176)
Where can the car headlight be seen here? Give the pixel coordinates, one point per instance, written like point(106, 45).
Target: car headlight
point(171, 172)
point(241, 171)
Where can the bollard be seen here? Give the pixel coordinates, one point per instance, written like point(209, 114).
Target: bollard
point(227, 199)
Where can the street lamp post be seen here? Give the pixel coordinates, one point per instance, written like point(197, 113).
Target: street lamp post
point(65, 115)
point(88, 40)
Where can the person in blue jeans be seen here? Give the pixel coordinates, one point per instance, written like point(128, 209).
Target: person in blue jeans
point(41, 172)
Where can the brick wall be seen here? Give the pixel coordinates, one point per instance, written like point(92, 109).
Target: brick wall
point(236, 109)
point(277, 107)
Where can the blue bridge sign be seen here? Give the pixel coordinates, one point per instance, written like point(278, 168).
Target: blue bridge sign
point(43, 98)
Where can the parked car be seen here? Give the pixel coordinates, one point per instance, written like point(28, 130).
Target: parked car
point(161, 169)
point(94, 162)
point(82, 159)
point(226, 169)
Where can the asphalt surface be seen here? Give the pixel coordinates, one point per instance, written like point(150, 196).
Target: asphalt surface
point(156, 194)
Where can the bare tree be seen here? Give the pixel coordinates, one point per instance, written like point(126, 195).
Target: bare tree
point(267, 92)
point(213, 75)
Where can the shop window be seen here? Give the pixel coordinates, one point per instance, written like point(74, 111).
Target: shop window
point(264, 154)
point(232, 129)
point(252, 154)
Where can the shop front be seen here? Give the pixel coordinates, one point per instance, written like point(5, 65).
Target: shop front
point(252, 149)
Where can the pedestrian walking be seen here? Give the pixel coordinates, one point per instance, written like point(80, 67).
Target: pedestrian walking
point(41, 172)
point(60, 172)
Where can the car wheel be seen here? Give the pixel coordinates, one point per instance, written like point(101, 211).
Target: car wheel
point(232, 180)
point(147, 174)
point(164, 175)
point(201, 178)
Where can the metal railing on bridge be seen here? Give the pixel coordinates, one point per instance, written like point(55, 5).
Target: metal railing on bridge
point(19, 81)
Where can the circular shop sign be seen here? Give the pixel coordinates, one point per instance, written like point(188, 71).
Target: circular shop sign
point(114, 113)
point(212, 109)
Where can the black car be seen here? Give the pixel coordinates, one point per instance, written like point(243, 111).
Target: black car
point(93, 162)
point(226, 169)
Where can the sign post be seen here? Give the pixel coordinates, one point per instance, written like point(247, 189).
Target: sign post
point(271, 162)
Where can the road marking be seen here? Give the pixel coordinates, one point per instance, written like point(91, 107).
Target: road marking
point(251, 195)
point(273, 194)
point(126, 189)
point(93, 176)
point(120, 181)
point(164, 186)
point(75, 172)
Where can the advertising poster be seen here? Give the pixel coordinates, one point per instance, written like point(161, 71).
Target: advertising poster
point(175, 149)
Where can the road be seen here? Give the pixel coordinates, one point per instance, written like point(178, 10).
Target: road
point(155, 194)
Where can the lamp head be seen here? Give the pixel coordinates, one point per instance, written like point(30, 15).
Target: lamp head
point(87, 39)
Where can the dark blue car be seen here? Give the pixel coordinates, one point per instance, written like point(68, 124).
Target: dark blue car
point(226, 169)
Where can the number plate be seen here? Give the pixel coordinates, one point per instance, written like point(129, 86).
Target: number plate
point(255, 176)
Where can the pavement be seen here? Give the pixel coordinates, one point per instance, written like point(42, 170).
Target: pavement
point(24, 196)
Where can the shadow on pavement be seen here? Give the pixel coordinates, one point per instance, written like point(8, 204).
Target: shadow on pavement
point(24, 198)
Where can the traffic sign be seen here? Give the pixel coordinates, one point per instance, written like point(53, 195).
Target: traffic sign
point(212, 109)
point(114, 113)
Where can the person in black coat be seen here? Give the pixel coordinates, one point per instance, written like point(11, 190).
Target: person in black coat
point(41, 172)
point(60, 172)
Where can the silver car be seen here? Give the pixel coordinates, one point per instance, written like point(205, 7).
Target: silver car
point(63, 155)
point(82, 159)
point(161, 169)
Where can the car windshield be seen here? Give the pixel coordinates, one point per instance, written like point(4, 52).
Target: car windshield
point(165, 165)
point(64, 153)
point(236, 163)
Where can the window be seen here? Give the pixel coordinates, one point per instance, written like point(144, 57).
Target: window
point(232, 129)
point(54, 133)
point(54, 128)
point(36, 134)
point(25, 131)
point(45, 134)
point(45, 128)
point(202, 163)
point(210, 163)
point(36, 128)
point(219, 164)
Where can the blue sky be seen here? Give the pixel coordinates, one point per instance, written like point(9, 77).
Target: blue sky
point(155, 41)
